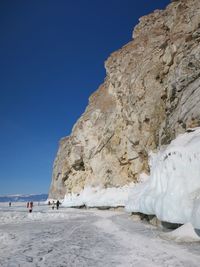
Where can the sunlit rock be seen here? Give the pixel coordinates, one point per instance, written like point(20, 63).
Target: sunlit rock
point(150, 95)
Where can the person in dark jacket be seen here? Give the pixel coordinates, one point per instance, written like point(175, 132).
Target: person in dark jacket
point(57, 204)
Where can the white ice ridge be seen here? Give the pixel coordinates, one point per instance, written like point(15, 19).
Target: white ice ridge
point(172, 192)
point(99, 197)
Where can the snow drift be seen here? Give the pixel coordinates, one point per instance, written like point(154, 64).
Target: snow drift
point(172, 192)
point(98, 197)
point(185, 233)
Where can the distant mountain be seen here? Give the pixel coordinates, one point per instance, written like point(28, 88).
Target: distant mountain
point(23, 198)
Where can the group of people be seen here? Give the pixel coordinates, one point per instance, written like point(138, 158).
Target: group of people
point(54, 204)
point(29, 206)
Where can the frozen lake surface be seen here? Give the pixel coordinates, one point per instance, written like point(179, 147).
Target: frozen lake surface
point(72, 237)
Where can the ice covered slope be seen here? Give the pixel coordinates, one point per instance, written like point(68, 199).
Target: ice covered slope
point(172, 191)
point(99, 197)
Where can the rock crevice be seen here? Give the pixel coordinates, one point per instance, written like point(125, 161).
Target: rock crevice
point(151, 94)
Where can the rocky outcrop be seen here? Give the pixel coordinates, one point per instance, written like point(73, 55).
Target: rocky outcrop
point(151, 94)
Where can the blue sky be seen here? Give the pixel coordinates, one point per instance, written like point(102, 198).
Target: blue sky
point(52, 57)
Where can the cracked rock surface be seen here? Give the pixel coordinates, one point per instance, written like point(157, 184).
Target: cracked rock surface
point(151, 94)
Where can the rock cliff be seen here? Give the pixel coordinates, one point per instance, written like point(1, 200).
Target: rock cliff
point(151, 94)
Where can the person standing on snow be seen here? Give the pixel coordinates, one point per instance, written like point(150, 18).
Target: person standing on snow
point(31, 206)
point(57, 204)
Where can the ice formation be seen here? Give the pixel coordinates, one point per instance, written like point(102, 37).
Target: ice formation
point(98, 197)
point(172, 192)
point(185, 233)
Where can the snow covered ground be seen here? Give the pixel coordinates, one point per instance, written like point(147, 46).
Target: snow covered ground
point(71, 237)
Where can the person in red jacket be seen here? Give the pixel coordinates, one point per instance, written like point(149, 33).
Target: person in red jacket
point(30, 206)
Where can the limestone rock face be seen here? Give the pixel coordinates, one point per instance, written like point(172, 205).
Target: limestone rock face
point(151, 94)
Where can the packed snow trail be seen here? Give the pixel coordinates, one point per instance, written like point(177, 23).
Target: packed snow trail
point(86, 238)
